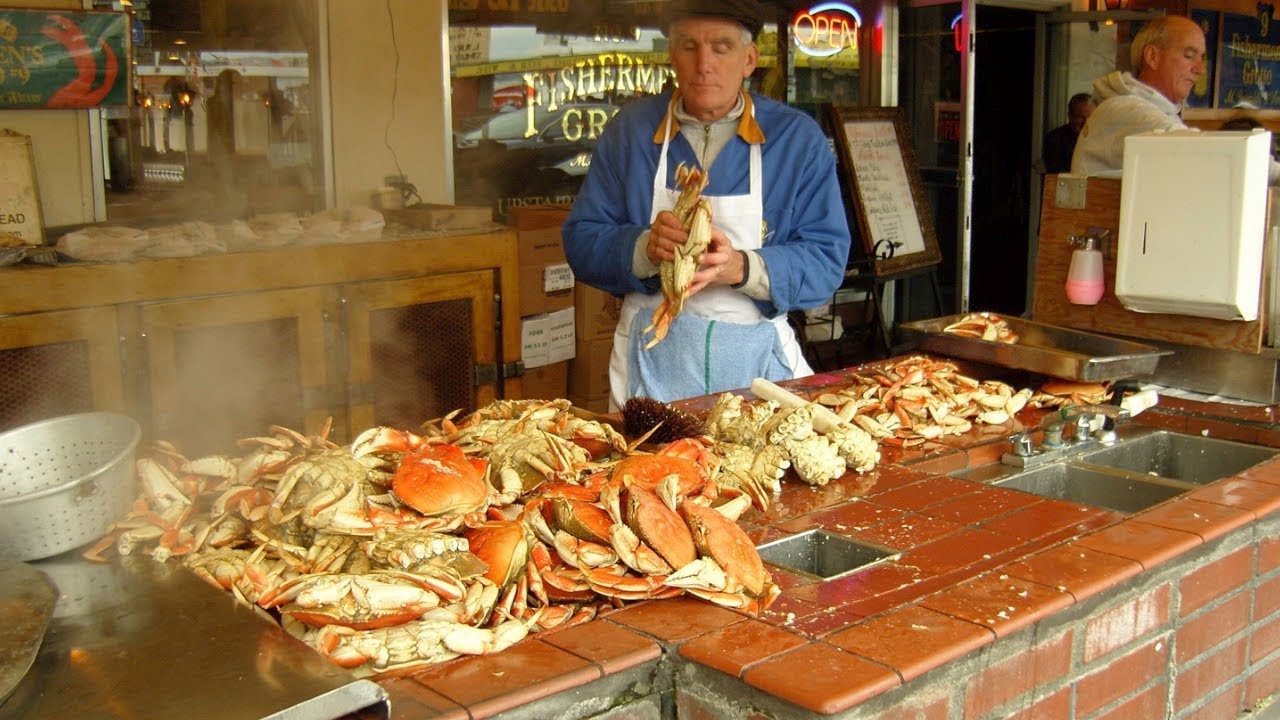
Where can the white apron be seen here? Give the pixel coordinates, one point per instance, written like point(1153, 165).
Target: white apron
point(720, 341)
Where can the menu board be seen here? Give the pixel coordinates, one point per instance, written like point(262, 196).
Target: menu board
point(883, 186)
point(887, 193)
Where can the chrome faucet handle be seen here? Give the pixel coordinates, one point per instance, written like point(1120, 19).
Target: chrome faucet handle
point(1083, 427)
point(1053, 435)
point(1023, 445)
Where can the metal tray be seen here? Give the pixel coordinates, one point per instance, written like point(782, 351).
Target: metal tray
point(1041, 348)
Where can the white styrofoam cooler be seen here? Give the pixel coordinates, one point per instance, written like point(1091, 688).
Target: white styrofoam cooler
point(1192, 223)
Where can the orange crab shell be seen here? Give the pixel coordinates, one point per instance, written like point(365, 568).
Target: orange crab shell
point(318, 617)
point(719, 538)
point(503, 546)
point(647, 470)
point(583, 520)
point(440, 479)
point(659, 527)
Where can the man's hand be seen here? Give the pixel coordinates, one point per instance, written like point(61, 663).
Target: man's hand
point(719, 265)
point(665, 235)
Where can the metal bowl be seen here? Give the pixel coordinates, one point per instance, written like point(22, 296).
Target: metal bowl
point(63, 481)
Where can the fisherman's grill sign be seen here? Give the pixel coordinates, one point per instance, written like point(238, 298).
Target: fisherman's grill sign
point(57, 59)
point(825, 29)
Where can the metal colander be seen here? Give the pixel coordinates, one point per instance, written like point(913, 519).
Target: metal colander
point(63, 481)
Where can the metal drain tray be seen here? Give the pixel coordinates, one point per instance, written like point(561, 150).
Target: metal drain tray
point(1045, 349)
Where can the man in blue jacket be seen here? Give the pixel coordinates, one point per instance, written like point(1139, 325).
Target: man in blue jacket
point(779, 240)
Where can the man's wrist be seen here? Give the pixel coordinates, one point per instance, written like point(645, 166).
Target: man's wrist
point(746, 270)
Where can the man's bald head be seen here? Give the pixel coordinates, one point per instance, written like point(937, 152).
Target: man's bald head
point(1168, 54)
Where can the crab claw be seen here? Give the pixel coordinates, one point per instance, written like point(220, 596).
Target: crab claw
point(386, 439)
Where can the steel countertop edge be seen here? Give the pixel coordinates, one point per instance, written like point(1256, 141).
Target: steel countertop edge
point(143, 639)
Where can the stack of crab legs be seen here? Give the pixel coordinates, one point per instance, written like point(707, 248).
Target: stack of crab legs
point(402, 549)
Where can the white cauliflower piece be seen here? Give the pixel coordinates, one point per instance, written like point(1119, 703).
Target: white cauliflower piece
point(793, 424)
point(859, 450)
point(740, 463)
point(816, 459)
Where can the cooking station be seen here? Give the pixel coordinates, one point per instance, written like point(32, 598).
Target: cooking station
point(981, 596)
point(941, 583)
point(141, 639)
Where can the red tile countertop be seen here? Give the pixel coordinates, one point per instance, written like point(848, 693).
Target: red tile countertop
point(970, 563)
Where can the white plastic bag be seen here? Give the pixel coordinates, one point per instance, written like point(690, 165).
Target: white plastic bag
point(103, 244)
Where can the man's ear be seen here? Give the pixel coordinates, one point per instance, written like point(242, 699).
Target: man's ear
point(753, 57)
point(1150, 57)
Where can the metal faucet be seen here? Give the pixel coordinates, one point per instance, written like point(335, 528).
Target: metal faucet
point(1085, 417)
point(1088, 421)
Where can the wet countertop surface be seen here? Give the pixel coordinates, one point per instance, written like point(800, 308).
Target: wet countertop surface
point(139, 639)
point(971, 563)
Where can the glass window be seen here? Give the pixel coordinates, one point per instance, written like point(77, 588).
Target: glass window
point(225, 119)
point(532, 92)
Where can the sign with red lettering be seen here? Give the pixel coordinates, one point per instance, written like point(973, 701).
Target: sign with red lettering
point(63, 59)
point(946, 122)
point(826, 28)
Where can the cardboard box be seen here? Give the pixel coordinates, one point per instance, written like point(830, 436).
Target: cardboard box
point(561, 335)
point(442, 217)
point(548, 382)
point(535, 341)
point(547, 338)
point(597, 312)
point(534, 217)
point(20, 215)
point(589, 369)
point(546, 281)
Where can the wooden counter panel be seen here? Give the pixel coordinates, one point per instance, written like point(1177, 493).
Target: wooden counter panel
point(1053, 259)
point(264, 337)
point(37, 289)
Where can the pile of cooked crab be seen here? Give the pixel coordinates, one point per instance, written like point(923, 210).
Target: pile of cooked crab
point(406, 548)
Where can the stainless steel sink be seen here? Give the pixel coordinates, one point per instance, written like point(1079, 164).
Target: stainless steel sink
point(1189, 458)
point(821, 554)
point(1145, 467)
point(1099, 487)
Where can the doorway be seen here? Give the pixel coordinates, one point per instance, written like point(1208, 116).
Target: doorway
point(1005, 86)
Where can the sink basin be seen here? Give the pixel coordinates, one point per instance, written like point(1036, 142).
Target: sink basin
point(820, 554)
point(1098, 487)
point(1189, 458)
point(1144, 468)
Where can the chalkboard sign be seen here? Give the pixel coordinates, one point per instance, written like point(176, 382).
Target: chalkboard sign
point(893, 216)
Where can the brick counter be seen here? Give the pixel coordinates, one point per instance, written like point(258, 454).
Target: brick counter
point(999, 604)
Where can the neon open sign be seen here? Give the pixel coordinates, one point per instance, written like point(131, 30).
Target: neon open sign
point(826, 28)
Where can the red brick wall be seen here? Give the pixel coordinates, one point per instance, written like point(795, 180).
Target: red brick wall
point(1197, 637)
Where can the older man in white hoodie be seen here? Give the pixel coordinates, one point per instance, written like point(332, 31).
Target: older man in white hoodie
point(1168, 55)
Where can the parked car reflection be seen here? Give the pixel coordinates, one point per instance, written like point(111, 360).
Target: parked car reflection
point(537, 126)
point(527, 152)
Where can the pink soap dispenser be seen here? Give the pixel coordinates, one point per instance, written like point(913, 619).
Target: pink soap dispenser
point(1084, 278)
